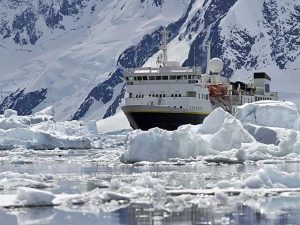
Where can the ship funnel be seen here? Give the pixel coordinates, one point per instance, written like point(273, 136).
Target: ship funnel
point(215, 65)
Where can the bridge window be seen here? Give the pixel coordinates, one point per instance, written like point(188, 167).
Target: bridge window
point(179, 77)
point(139, 78)
point(191, 94)
point(158, 77)
point(160, 95)
point(130, 95)
point(145, 78)
point(189, 77)
point(175, 95)
point(172, 77)
point(151, 77)
point(172, 95)
point(179, 95)
point(165, 77)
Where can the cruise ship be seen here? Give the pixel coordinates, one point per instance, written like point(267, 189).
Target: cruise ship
point(168, 96)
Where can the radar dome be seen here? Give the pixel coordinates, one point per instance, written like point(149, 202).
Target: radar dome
point(215, 65)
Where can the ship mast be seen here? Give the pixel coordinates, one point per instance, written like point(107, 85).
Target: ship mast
point(163, 59)
point(208, 54)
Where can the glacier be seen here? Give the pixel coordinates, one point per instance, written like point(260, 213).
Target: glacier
point(67, 54)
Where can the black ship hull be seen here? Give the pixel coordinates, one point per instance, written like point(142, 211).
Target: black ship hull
point(147, 117)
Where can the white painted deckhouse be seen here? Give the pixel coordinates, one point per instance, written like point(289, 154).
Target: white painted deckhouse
point(170, 95)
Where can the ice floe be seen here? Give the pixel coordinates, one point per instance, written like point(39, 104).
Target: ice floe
point(40, 131)
point(29, 197)
point(11, 180)
point(170, 191)
point(260, 130)
point(267, 177)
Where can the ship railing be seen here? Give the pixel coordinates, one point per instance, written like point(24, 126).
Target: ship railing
point(163, 70)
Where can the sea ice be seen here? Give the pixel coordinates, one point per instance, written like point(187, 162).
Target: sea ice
point(159, 145)
point(269, 114)
point(33, 197)
point(267, 177)
point(40, 131)
point(10, 180)
point(258, 131)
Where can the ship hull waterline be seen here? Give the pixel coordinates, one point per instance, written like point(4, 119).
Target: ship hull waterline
point(147, 117)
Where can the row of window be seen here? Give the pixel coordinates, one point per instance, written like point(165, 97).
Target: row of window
point(195, 107)
point(262, 98)
point(171, 77)
point(189, 94)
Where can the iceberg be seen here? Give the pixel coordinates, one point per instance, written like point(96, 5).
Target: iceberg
point(41, 131)
point(257, 131)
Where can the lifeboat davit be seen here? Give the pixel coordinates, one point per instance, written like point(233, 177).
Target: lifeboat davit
point(217, 90)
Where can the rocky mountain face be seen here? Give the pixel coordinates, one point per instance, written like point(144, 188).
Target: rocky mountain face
point(72, 53)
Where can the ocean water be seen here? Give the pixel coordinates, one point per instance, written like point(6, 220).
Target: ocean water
point(81, 171)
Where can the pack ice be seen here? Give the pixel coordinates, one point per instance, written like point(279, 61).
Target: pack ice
point(41, 131)
point(258, 131)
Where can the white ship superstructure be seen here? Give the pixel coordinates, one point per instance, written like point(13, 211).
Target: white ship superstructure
point(170, 95)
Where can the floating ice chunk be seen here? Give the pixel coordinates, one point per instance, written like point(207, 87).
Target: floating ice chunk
point(270, 176)
point(288, 145)
point(269, 113)
point(47, 111)
point(214, 121)
point(9, 112)
point(12, 180)
point(33, 197)
point(267, 177)
point(40, 131)
point(159, 145)
point(231, 135)
point(92, 127)
point(241, 155)
point(40, 177)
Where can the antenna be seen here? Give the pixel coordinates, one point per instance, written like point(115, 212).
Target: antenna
point(194, 56)
point(208, 54)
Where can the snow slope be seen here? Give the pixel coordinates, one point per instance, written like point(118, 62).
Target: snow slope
point(71, 54)
point(67, 63)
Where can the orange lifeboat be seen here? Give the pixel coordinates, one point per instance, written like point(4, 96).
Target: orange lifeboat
point(217, 90)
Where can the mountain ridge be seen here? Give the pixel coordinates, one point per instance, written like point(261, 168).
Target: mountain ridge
point(122, 34)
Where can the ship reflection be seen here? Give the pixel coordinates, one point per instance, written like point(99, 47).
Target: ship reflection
point(142, 214)
point(244, 215)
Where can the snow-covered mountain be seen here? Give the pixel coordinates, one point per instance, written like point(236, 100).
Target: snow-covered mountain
point(71, 53)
